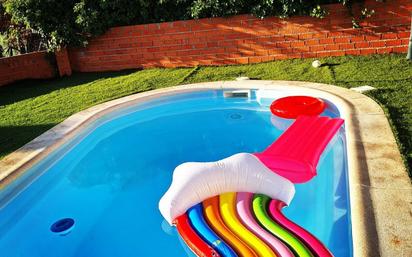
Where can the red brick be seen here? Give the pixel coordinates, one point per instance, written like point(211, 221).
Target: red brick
point(195, 46)
point(332, 47)
point(403, 34)
point(336, 53)
point(320, 35)
point(243, 60)
point(312, 42)
point(368, 51)
point(342, 40)
point(231, 49)
point(389, 36)
point(336, 34)
point(327, 41)
point(255, 59)
point(305, 36)
point(352, 52)
point(212, 44)
point(377, 44)
point(357, 39)
point(405, 41)
point(396, 42)
point(385, 50)
point(346, 46)
point(373, 37)
point(267, 58)
point(286, 50)
point(294, 55)
point(362, 45)
point(308, 55)
point(300, 49)
point(297, 43)
point(283, 44)
point(400, 49)
point(275, 51)
point(317, 48)
point(323, 54)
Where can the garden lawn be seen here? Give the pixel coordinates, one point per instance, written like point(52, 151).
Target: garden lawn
point(31, 107)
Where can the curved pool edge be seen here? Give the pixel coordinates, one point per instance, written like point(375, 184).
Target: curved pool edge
point(380, 189)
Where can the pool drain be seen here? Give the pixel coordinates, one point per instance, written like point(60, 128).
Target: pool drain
point(235, 116)
point(63, 226)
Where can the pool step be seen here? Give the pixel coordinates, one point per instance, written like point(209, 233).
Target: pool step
point(237, 94)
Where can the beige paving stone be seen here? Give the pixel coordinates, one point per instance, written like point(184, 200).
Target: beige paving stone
point(396, 233)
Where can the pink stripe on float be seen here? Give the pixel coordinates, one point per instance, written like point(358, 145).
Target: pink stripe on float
point(243, 206)
point(312, 242)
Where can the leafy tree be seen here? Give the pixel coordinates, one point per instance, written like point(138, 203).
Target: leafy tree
point(16, 38)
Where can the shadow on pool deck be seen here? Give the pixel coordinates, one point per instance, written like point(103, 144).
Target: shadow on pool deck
point(368, 207)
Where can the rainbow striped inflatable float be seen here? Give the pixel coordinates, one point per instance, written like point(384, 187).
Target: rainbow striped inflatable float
point(245, 224)
point(233, 207)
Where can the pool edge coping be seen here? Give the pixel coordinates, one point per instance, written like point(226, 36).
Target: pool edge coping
point(376, 230)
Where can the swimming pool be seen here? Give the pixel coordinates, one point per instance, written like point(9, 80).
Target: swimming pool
point(110, 178)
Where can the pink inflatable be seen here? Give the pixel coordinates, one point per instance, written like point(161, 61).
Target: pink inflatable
point(295, 154)
point(312, 242)
point(243, 206)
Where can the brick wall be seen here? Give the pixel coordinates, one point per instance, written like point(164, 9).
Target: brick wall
point(245, 39)
point(37, 65)
point(63, 62)
point(218, 41)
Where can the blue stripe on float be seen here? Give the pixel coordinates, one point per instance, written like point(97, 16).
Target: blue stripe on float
point(199, 224)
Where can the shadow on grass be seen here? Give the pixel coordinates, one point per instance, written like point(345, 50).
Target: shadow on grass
point(26, 89)
point(14, 137)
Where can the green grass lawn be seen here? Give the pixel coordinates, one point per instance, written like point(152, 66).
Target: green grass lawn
point(31, 107)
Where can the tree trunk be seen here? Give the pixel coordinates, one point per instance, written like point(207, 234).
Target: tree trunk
point(409, 56)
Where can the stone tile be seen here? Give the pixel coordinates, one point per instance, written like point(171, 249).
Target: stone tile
point(393, 215)
point(372, 128)
point(366, 105)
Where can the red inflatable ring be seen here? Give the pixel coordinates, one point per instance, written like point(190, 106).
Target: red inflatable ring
point(291, 107)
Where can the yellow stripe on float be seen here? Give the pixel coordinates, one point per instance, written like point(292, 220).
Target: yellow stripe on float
point(213, 218)
point(227, 209)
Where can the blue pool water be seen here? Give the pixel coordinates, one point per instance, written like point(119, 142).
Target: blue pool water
point(110, 178)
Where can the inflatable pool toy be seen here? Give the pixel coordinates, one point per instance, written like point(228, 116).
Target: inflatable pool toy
point(227, 209)
point(295, 154)
point(259, 208)
point(291, 107)
point(212, 215)
point(224, 208)
point(199, 224)
point(194, 182)
point(312, 242)
point(192, 239)
point(243, 203)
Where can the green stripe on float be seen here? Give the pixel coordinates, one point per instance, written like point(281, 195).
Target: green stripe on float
point(260, 203)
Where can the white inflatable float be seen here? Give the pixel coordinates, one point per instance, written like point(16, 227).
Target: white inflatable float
point(194, 182)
